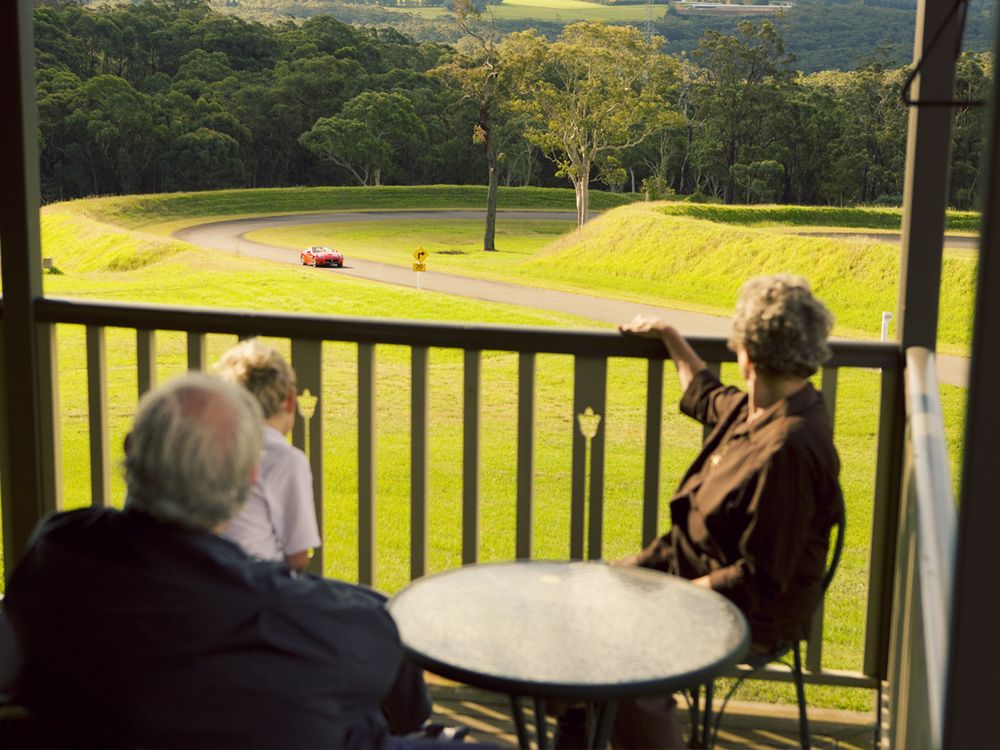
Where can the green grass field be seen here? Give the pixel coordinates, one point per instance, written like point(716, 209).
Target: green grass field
point(99, 261)
point(553, 10)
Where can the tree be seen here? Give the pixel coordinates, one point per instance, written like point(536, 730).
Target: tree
point(814, 120)
point(57, 94)
point(595, 91)
point(201, 160)
point(763, 180)
point(740, 95)
point(478, 76)
point(367, 134)
point(111, 131)
point(870, 154)
point(971, 84)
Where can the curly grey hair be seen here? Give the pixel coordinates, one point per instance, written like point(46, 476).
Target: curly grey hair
point(782, 326)
point(192, 450)
point(261, 370)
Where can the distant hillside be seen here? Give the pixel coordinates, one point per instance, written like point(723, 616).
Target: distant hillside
point(822, 34)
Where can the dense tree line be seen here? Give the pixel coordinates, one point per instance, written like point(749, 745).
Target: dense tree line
point(170, 95)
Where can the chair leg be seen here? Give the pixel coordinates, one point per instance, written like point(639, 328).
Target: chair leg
point(605, 725)
point(517, 710)
point(707, 735)
point(694, 713)
point(800, 690)
point(541, 727)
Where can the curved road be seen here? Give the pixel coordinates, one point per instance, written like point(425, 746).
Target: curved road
point(230, 236)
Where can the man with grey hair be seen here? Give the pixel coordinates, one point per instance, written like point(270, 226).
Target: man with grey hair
point(143, 628)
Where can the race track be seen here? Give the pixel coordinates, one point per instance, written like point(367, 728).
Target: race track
point(230, 236)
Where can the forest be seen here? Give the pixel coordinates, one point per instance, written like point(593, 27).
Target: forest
point(164, 95)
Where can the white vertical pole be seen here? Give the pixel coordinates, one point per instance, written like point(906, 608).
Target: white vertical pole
point(886, 317)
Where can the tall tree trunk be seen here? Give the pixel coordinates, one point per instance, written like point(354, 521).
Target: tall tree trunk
point(489, 236)
point(581, 184)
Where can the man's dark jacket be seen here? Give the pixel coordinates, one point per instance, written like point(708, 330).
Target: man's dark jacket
point(140, 633)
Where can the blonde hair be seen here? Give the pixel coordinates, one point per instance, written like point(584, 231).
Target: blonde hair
point(261, 370)
point(782, 326)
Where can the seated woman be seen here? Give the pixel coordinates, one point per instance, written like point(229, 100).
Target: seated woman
point(752, 515)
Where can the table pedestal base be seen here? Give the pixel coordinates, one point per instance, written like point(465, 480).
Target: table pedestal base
point(600, 721)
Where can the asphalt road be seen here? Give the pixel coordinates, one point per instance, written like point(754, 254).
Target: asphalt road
point(229, 236)
point(951, 241)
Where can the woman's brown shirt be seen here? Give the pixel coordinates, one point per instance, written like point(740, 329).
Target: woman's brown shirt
point(755, 509)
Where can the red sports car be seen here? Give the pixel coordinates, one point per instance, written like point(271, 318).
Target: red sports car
point(321, 256)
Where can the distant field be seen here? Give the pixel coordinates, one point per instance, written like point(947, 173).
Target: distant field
point(553, 10)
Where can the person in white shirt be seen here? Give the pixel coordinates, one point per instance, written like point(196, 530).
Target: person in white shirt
point(278, 521)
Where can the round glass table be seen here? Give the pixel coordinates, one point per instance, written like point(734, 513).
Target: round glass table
point(572, 631)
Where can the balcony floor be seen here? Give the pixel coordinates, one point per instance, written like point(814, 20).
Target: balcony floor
point(746, 725)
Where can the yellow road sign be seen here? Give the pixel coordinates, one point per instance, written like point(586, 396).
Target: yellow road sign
point(420, 256)
point(419, 267)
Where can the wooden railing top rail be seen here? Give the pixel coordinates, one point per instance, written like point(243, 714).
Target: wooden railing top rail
point(479, 336)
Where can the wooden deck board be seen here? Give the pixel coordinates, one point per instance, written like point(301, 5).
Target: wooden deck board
point(746, 725)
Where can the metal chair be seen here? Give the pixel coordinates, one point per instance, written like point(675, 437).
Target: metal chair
point(710, 730)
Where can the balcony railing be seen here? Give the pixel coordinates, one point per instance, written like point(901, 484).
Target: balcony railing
point(924, 570)
point(590, 351)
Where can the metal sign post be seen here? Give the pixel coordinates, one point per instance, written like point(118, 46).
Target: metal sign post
point(418, 265)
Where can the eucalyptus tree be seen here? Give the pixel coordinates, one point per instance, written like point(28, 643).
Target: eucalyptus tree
point(740, 96)
point(868, 157)
point(812, 113)
point(971, 84)
point(367, 134)
point(595, 91)
point(110, 129)
point(478, 75)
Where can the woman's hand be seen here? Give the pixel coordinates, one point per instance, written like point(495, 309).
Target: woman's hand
point(685, 358)
point(647, 327)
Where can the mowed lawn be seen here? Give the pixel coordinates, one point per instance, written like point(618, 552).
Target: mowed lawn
point(98, 261)
point(552, 10)
point(453, 245)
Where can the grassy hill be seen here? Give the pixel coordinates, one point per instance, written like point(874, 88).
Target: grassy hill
point(135, 211)
point(702, 262)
